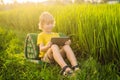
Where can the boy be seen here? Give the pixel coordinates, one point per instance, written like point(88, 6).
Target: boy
point(51, 52)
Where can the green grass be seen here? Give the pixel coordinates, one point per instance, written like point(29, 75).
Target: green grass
point(94, 31)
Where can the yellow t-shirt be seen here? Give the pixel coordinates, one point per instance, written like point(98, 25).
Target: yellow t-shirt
point(45, 38)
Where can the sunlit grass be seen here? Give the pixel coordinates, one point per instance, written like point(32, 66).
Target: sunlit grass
point(94, 30)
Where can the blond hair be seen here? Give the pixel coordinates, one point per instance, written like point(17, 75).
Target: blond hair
point(45, 18)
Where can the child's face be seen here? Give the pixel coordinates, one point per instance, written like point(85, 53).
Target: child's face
point(48, 27)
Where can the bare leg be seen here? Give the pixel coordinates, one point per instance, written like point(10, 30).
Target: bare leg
point(57, 56)
point(49, 54)
point(70, 55)
point(55, 53)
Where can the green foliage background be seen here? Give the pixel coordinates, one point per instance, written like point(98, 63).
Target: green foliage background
point(94, 31)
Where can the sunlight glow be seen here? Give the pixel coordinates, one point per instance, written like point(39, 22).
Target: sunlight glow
point(22, 1)
point(8, 1)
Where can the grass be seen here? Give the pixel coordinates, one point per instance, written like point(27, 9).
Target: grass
point(94, 30)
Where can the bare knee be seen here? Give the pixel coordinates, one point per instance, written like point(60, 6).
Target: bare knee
point(54, 46)
point(66, 46)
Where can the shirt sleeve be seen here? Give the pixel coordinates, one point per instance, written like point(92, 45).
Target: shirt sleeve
point(39, 39)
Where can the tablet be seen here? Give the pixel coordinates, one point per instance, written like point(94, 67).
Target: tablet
point(59, 40)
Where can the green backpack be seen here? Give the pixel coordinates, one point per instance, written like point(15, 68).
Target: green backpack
point(31, 49)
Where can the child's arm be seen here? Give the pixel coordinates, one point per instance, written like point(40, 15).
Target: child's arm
point(45, 48)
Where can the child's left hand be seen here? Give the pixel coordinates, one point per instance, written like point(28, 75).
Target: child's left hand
point(68, 42)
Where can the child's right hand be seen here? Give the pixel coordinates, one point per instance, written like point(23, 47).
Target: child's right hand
point(68, 42)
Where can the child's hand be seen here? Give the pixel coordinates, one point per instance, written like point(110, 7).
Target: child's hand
point(68, 42)
point(49, 44)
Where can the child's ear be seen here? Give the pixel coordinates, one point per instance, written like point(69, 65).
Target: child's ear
point(40, 26)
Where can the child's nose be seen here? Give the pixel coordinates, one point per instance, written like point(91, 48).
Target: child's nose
point(50, 25)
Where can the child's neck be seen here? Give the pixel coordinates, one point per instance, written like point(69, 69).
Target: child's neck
point(47, 32)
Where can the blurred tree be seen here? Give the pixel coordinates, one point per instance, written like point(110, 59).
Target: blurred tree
point(15, 1)
point(1, 1)
point(78, 1)
point(110, 0)
point(105, 0)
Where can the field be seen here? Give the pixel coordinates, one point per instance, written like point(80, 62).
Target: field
point(94, 31)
